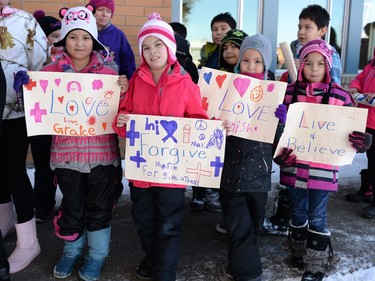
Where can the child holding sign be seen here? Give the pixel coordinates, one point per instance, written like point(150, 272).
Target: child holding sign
point(365, 83)
point(158, 87)
point(84, 166)
point(310, 183)
point(246, 176)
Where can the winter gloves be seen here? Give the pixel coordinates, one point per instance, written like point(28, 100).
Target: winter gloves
point(360, 141)
point(285, 159)
point(281, 113)
point(21, 78)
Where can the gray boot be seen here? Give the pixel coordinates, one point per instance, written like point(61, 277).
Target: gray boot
point(98, 242)
point(319, 256)
point(71, 254)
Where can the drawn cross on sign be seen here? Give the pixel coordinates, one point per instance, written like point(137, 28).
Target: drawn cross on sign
point(31, 84)
point(37, 113)
point(138, 159)
point(132, 134)
point(217, 164)
point(198, 172)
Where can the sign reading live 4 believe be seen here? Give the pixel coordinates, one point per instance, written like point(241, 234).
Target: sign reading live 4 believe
point(173, 150)
point(249, 103)
point(320, 132)
point(71, 104)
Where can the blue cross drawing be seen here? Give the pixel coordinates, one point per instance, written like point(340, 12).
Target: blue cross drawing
point(132, 134)
point(218, 165)
point(138, 159)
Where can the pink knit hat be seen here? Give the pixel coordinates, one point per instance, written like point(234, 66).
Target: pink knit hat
point(158, 28)
point(104, 3)
point(320, 46)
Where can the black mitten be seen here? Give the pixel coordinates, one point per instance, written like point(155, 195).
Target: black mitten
point(285, 159)
point(360, 141)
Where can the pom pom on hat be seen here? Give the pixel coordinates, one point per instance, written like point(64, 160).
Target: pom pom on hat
point(104, 3)
point(261, 44)
point(79, 18)
point(47, 23)
point(160, 29)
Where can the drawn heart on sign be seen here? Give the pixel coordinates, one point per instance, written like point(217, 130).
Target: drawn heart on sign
point(220, 79)
point(241, 85)
point(170, 127)
point(44, 85)
point(57, 81)
point(104, 125)
point(271, 87)
point(71, 107)
point(207, 77)
point(61, 99)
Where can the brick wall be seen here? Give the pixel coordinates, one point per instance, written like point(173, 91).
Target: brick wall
point(129, 15)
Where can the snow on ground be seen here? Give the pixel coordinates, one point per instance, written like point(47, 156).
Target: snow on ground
point(353, 236)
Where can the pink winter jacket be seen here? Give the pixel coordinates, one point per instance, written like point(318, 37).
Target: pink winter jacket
point(83, 153)
point(365, 83)
point(175, 95)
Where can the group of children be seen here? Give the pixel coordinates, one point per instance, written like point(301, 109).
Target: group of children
point(157, 209)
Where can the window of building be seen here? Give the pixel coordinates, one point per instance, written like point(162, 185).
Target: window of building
point(368, 33)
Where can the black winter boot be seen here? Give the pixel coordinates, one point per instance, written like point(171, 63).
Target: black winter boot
point(319, 256)
point(298, 238)
point(365, 193)
point(369, 211)
point(4, 272)
point(279, 222)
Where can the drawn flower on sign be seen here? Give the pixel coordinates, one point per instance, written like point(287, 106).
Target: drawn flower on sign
point(91, 121)
point(97, 84)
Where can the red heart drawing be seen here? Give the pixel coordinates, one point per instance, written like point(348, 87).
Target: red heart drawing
point(61, 99)
point(71, 107)
point(104, 125)
point(220, 79)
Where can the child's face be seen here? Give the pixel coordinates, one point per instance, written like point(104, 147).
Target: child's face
point(218, 30)
point(103, 17)
point(308, 31)
point(79, 44)
point(314, 69)
point(231, 53)
point(251, 62)
point(53, 37)
point(155, 52)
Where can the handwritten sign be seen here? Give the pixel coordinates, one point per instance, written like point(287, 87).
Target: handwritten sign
point(247, 102)
point(70, 104)
point(319, 132)
point(367, 99)
point(174, 150)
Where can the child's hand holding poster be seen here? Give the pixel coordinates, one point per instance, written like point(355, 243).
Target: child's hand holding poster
point(182, 151)
point(247, 102)
point(70, 104)
point(320, 133)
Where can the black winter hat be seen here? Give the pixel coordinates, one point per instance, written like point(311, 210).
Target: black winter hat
point(47, 23)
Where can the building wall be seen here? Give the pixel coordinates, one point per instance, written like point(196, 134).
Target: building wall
point(129, 15)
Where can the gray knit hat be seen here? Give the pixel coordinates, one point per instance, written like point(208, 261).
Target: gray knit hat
point(260, 43)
